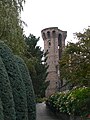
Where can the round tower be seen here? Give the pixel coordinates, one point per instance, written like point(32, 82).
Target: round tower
point(54, 43)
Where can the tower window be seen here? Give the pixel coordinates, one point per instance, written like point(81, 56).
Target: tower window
point(49, 43)
point(60, 45)
point(60, 40)
point(44, 36)
point(56, 69)
point(48, 34)
point(53, 34)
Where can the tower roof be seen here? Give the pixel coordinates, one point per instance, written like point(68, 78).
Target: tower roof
point(52, 30)
point(49, 28)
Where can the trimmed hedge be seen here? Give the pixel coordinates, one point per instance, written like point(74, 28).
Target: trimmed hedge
point(17, 84)
point(29, 88)
point(6, 95)
point(1, 111)
point(75, 102)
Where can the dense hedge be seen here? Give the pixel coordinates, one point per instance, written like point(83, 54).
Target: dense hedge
point(1, 111)
point(75, 102)
point(6, 95)
point(29, 88)
point(17, 84)
point(17, 99)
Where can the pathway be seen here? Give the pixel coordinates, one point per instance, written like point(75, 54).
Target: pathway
point(43, 113)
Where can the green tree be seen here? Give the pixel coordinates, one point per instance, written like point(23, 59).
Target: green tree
point(29, 88)
point(6, 94)
point(1, 110)
point(16, 82)
point(11, 29)
point(75, 62)
point(37, 58)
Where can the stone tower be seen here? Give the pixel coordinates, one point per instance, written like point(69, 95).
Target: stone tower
point(54, 43)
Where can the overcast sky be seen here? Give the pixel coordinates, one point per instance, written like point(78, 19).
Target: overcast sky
point(68, 15)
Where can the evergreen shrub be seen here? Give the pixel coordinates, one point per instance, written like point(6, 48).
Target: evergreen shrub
point(1, 111)
point(29, 88)
point(6, 95)
point(16, 82)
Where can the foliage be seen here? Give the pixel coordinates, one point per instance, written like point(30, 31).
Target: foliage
point(29, 88)
point(78, 101)
point(11, 30)
point(16, 82)
point(17, 100)
point(40, 100)
point(57, 101)
point(1, 111)
point(75, 62)
point(75, 102)
point(38, 71)
point(6, 94)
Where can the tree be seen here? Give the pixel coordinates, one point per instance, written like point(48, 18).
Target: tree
point(11, 30)
point(1, 110)
point(6, 94)
point(75, 62)
point(37, 57)
point(16, 82)
point(29, 88)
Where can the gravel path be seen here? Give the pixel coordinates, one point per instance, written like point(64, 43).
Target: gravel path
point(43, 113)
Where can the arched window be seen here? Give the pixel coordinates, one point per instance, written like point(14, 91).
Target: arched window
point(53, 34)
point(48, 34)
point(60, 45)
point(44, 36)
point(49, 43)
point(60, 40)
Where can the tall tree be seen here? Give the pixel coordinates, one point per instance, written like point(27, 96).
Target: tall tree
point(37, 58)
point(75, 62)
point(11, 30)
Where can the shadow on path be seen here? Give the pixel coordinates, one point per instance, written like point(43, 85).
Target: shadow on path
point(43, 113)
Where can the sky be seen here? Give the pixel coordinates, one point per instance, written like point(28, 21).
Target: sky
point(68, 15)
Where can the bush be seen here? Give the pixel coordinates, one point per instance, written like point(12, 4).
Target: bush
point(52, 101)
point(16, 82)
point(78, 102)
point(75, 102)
point(6, 95)
point(29, 88)
point(40, 100)
point(1, 111)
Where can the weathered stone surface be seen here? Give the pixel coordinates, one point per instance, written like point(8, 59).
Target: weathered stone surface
point(54, 42)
